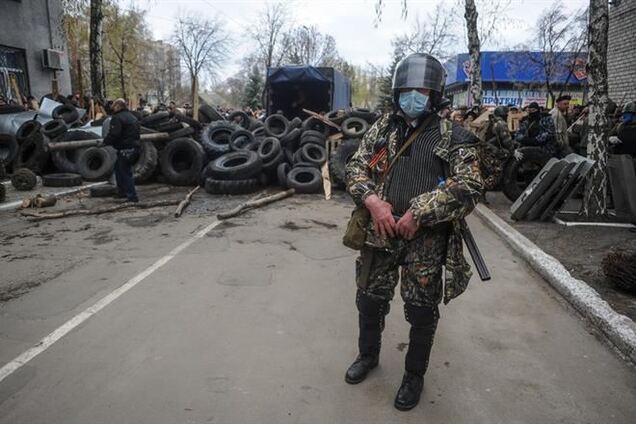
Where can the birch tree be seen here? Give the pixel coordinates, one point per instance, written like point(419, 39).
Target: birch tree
point(474, 50)
point(98, 82)
point(594, 202)
point(203, 45)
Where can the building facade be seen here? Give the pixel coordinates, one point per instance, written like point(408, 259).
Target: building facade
point(32, 48)
point(621, 54)
point(518, 78)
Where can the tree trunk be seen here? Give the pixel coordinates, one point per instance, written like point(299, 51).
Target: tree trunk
point(474, 50)
point(594, 202)
point(195, 97)
point(95, 49)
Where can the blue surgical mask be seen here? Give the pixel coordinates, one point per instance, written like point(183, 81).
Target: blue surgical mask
point(413, 103)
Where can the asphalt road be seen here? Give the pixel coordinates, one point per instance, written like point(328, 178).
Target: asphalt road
point(255, 322)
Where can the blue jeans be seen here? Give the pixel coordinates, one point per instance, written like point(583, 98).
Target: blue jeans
point(124, 175)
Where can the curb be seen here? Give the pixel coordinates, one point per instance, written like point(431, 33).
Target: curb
point(619, 329)
point(15, 204)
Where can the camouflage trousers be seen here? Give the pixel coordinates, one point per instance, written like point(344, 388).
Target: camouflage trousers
point(492, 162)
point(416, 264)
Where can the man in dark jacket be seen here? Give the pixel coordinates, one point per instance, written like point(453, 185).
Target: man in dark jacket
point(123, 135)
point(537, 129)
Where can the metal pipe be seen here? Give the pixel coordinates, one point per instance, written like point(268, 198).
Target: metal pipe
point(72, 145)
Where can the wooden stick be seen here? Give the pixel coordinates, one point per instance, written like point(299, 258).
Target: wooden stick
point(322, 118)
point(251, 204)
point(185, 202)
point(38, 216)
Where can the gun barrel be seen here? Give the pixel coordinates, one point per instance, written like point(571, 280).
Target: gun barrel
point(475, 254)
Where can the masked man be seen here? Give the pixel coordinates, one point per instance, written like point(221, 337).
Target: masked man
point(418, 175)
point(537, 129)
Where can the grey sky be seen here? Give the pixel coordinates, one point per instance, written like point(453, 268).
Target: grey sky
point(351, 22)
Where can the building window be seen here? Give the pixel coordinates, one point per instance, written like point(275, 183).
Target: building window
point(13, 73)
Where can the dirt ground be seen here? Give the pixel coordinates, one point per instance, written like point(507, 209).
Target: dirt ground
point(580, 249)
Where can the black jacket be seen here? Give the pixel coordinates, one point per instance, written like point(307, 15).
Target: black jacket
point(124, 131)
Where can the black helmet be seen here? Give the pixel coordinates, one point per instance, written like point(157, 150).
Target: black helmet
point(501, 111)
point(630, 107)
point(420, 70)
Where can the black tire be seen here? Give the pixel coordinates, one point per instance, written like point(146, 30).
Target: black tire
point(259, 133)
point(146, 165)
point(61, 180)
point(24, 179)
point(241, 139)
point(215, 138)
point(107, 190)
point(153, 120)
point(313, 124)
point(281, 173)
point(244, 120)
point(67, 113)
point(31, 155)
point(339, 160)
point(188, 120)
point(289, 154)
point(28, 129)
point(314, 154)
point(213, 186)
point(337, 116)
point(269, 149)
point(3, 193)
point(295, 123)
point(312, 139)
point(305, 180)
point(96, 163)
point(276, 126)
point(54, 129)
point(239, 165)
point(366, 114)
point(8, 148)
point(181, 161)
point(169, 126)
point(181, 133)
point(291, 138)
point(301, 164)
point(208, 114)
point(518, 175)
point(65, 161)
point(354, 127)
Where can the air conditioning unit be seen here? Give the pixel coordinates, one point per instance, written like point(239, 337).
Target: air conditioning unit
point(52, 59)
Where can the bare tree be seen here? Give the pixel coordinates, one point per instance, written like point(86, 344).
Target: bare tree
point(433, 35)
point(268, 33)
point(594, 202)
point(203, 45)
point(560, 41)
point(308, 46)
point(474, 50)
point(98, 82)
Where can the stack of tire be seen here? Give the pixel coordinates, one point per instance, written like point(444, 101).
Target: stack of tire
point(246, 154)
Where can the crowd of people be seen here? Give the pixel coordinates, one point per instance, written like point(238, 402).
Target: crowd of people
point(557, 132)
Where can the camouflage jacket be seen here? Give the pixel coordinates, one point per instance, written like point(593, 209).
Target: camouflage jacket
point(544, 137)
point(503, 140)
point(451, 201)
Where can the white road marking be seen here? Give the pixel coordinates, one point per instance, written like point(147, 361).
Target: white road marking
point(78, 319)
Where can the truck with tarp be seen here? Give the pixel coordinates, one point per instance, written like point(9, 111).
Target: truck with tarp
point(290, 89)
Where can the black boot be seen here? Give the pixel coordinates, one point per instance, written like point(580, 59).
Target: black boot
point(423, 322)
point(371, 322)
